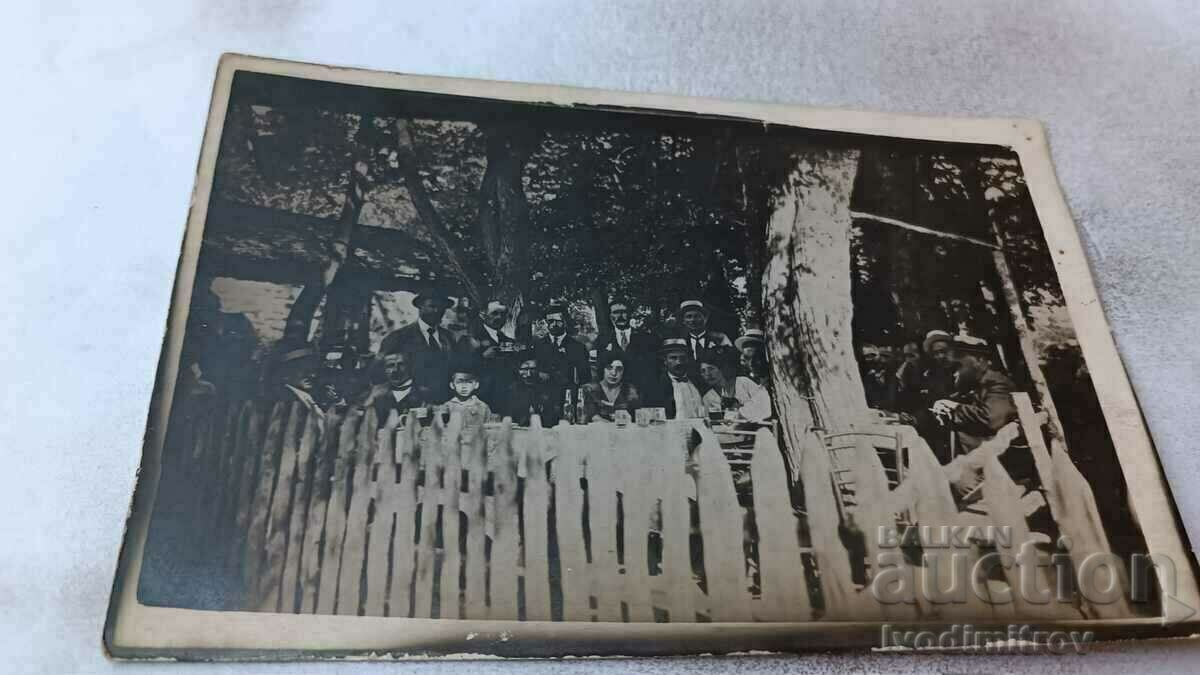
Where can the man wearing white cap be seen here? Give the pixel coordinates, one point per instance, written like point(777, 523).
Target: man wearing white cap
point(694, 318)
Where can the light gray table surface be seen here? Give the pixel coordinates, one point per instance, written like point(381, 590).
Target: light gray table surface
point(102, 126)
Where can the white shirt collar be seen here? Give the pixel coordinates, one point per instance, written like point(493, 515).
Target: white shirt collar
point(492, 333)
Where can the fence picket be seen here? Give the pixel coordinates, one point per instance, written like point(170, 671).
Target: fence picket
point(638, 490)
point(721, 526)
point(507, 540)
point(250, 446)
point(401, 501)
point(335, 514)
point(678, 487)
point(354, 541)
point(471, 503)
point(275, 549)
point(784, 588)
point(432, 456)
point(292, 568)
point(603, 477)
point(260, 509)
point(1080, 521)
point(383, 495)
point(536, 530)
point(448, 578)
point(328, 450)
point(223, 475)
point(568, 507)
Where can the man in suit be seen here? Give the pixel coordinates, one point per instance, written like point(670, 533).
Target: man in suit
point(674, 389)
point(563, 359)
point(398, 392)
point(527, 396)
point(428, 344)
point(694, 318)
point(638, 348)
point(493, 350)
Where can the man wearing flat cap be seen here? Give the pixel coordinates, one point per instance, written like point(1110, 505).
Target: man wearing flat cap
point(428, 344)
point(562, 358)
point(638, 348)
point(693, 316)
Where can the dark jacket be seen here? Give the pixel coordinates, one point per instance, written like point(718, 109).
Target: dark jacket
point(597, 405)
point(709, 341)
point(382, 400)
point(641, 354)
point(661, 394)
point(984, 409)
point(430, 365)
point(566, 365)
point(495, 370)
point(521, 400)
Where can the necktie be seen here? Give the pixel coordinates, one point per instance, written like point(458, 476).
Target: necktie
point(433, 341)
point(624, 340)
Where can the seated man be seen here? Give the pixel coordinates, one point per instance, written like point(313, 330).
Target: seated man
point(528, 396)
point(398, 392)
point(674, 390)
point(980, 408)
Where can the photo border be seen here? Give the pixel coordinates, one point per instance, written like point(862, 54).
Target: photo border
point(137, 631)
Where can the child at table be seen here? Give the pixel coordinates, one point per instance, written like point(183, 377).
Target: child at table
point(464, 383)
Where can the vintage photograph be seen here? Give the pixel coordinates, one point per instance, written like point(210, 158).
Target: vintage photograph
point(455, 356)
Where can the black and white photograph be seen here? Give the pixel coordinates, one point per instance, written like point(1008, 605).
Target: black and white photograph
point(534, 359)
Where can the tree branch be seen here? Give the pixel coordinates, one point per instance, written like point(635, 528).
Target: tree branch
point(435, 229)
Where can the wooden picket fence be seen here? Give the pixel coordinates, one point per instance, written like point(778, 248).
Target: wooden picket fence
point(464, 518)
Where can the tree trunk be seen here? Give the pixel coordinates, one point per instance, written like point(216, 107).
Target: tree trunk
point(807, 298)
point(503, 218)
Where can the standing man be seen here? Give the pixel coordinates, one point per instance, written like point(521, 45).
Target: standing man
point(694, 317)
point(638, 348)
point(428, 343)
point(493, 350)
point(563, 359)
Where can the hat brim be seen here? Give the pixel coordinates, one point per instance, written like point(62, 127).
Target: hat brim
point(744, 340)
point(441, 299)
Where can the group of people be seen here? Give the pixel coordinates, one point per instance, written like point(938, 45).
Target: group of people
point(948, 386)
point(694, 373)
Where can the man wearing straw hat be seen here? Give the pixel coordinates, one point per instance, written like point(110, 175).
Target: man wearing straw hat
point(674, 390)
point(693, 316)
point(984, 402)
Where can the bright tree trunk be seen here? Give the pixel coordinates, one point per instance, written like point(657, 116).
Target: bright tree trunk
point(808, 305)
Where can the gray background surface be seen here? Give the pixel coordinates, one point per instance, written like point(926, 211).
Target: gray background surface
point(102, 127)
